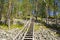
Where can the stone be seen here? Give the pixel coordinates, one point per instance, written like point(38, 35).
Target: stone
point(46, 34)
point(3, 39)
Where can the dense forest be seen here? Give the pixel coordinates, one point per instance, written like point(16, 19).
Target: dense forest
point(16, 14)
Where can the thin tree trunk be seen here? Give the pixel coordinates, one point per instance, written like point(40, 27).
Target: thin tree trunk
point(49, 11)
point(46, 13)
point(0, 15)
point(1, 9)
point(55, 16)
point(55, 10)
point(36, 18)
point(0, 18)
point(36, 9)
point(8, 14)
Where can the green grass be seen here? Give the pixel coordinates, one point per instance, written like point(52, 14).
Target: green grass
point(37, 27)
point(16, 26)
point(4, 27)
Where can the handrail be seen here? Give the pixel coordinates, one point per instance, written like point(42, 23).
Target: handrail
point(21, 33)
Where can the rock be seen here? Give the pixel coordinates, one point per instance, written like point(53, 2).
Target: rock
point(4, 39)
point(46, 34)
point(9, 35)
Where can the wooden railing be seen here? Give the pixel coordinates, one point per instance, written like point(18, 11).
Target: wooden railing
point(20, 35)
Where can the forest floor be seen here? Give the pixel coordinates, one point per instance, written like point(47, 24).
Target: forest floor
point(41, 32)
point(44, 33)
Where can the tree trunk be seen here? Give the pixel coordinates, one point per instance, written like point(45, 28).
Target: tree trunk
point(36, 9)
point(8, 14)
point(36, 18)
point(1, 9)
point(0, 16)
point(46, 13)
point(49, 11)
point(55, 14)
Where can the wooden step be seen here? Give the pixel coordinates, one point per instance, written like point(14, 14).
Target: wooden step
point(29, 37)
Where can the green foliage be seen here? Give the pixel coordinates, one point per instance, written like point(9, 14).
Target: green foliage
point(16, 26)
point(36, 27)
point(26, 7)
point(5, 27)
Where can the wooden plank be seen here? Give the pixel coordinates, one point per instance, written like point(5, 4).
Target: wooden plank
point(20, 32)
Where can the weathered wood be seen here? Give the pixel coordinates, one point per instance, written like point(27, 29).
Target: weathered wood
point(22, 32)
point(26, 33)
point(29, 33)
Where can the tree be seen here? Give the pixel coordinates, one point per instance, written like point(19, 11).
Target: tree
point(55, 10)
point(26, 8)
point(1, 8)
point(8, 13)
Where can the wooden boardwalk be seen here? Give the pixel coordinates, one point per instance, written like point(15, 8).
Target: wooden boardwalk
point(29, 33)
point(26, 33)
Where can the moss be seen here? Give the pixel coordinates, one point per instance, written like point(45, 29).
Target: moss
point(36, 27)
point(5, 27)
point(16, 26)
